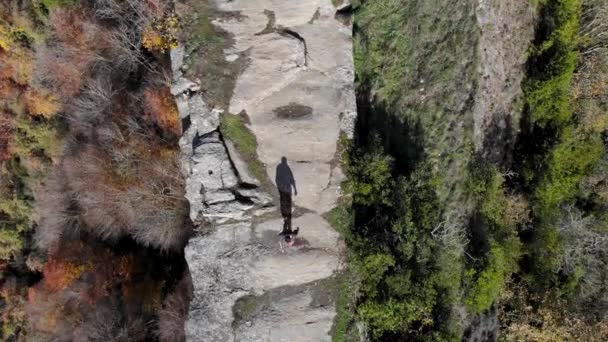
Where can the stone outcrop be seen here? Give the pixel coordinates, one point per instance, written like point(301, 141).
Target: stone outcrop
point(218, 185)
point(297, 91)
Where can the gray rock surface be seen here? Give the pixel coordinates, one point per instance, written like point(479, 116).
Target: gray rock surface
point(312, 66)
point(271, 325)
point(242, 259)
point(297, 91)
point(241, 167)
point(214, 187)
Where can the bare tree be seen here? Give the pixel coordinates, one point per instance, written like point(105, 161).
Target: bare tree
point(594, 29)
point(93, 100)
point(584, 247)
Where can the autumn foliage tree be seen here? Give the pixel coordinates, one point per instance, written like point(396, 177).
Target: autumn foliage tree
point(88, 156)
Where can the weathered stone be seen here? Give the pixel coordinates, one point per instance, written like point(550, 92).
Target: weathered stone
point(212, 167)
point(234, 260)
point(177, 60)
point(245, 177)
point(344, 8)
point(506, 31)
point(210, 177)
point(218, 196)
point(297, 90)
point(292, 318)
point(217, 282)
point(183, 108)
point(347, 124)
point(182, 85)
point(256, 196)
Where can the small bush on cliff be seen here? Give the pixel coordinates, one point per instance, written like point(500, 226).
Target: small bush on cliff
point(552, 64)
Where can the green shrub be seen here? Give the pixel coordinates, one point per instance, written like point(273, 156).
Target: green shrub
point(345, 322)
point(390, 317)
point(233, 128)
point(553, 63)
point(11, 243)
point(402, 268)
point(491, 281)
point(372, 271)
point(369, 178)
point(59, 3)
point(569, 162)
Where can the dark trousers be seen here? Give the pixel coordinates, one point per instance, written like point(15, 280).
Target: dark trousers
point(285, 206)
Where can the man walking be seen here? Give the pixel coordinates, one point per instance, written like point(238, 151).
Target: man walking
point(285, 182)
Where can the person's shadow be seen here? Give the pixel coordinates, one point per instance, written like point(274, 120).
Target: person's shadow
point(285, 182)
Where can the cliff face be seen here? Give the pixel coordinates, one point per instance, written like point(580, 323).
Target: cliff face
point(469, 168)
point(278, 125)
point(439, 89)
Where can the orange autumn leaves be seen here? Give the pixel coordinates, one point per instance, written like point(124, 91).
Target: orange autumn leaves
point(161, 109)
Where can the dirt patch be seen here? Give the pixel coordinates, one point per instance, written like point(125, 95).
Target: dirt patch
point(293, 111)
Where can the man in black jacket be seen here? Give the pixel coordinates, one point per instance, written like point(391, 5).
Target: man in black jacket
point(285, 182)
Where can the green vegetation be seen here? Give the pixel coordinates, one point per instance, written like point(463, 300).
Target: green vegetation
point(59, 3)
point(418, 189)
point(500, 214)
point(30, 142)
point(205, 45)
point(392, 249)
point(568, 163)
point(490, 281)
point(553, 62)
point(245, 308)
point(233, 128)
point(567, 147)
point(345, 329)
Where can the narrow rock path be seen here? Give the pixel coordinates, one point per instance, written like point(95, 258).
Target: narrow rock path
point(297, 91)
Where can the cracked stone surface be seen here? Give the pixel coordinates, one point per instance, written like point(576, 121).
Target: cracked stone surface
point(297, 90)
point(314, 70)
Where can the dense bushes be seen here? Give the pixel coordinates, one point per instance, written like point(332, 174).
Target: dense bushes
point(119, 177)
point(552, 63)
point(88, 99)
point(28, 130)
point(569, 136)
point(564, 131)
point(406, 278)
point(494, 236)
point(536, 222)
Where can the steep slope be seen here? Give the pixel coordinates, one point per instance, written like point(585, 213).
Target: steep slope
point(470, 167)
point(439, 97)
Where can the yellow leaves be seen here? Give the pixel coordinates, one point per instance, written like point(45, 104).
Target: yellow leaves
point(60, 272)
point(153, 41)
point(161, 35)
point(5, 39)
point(41, 103)
point(17, 61)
